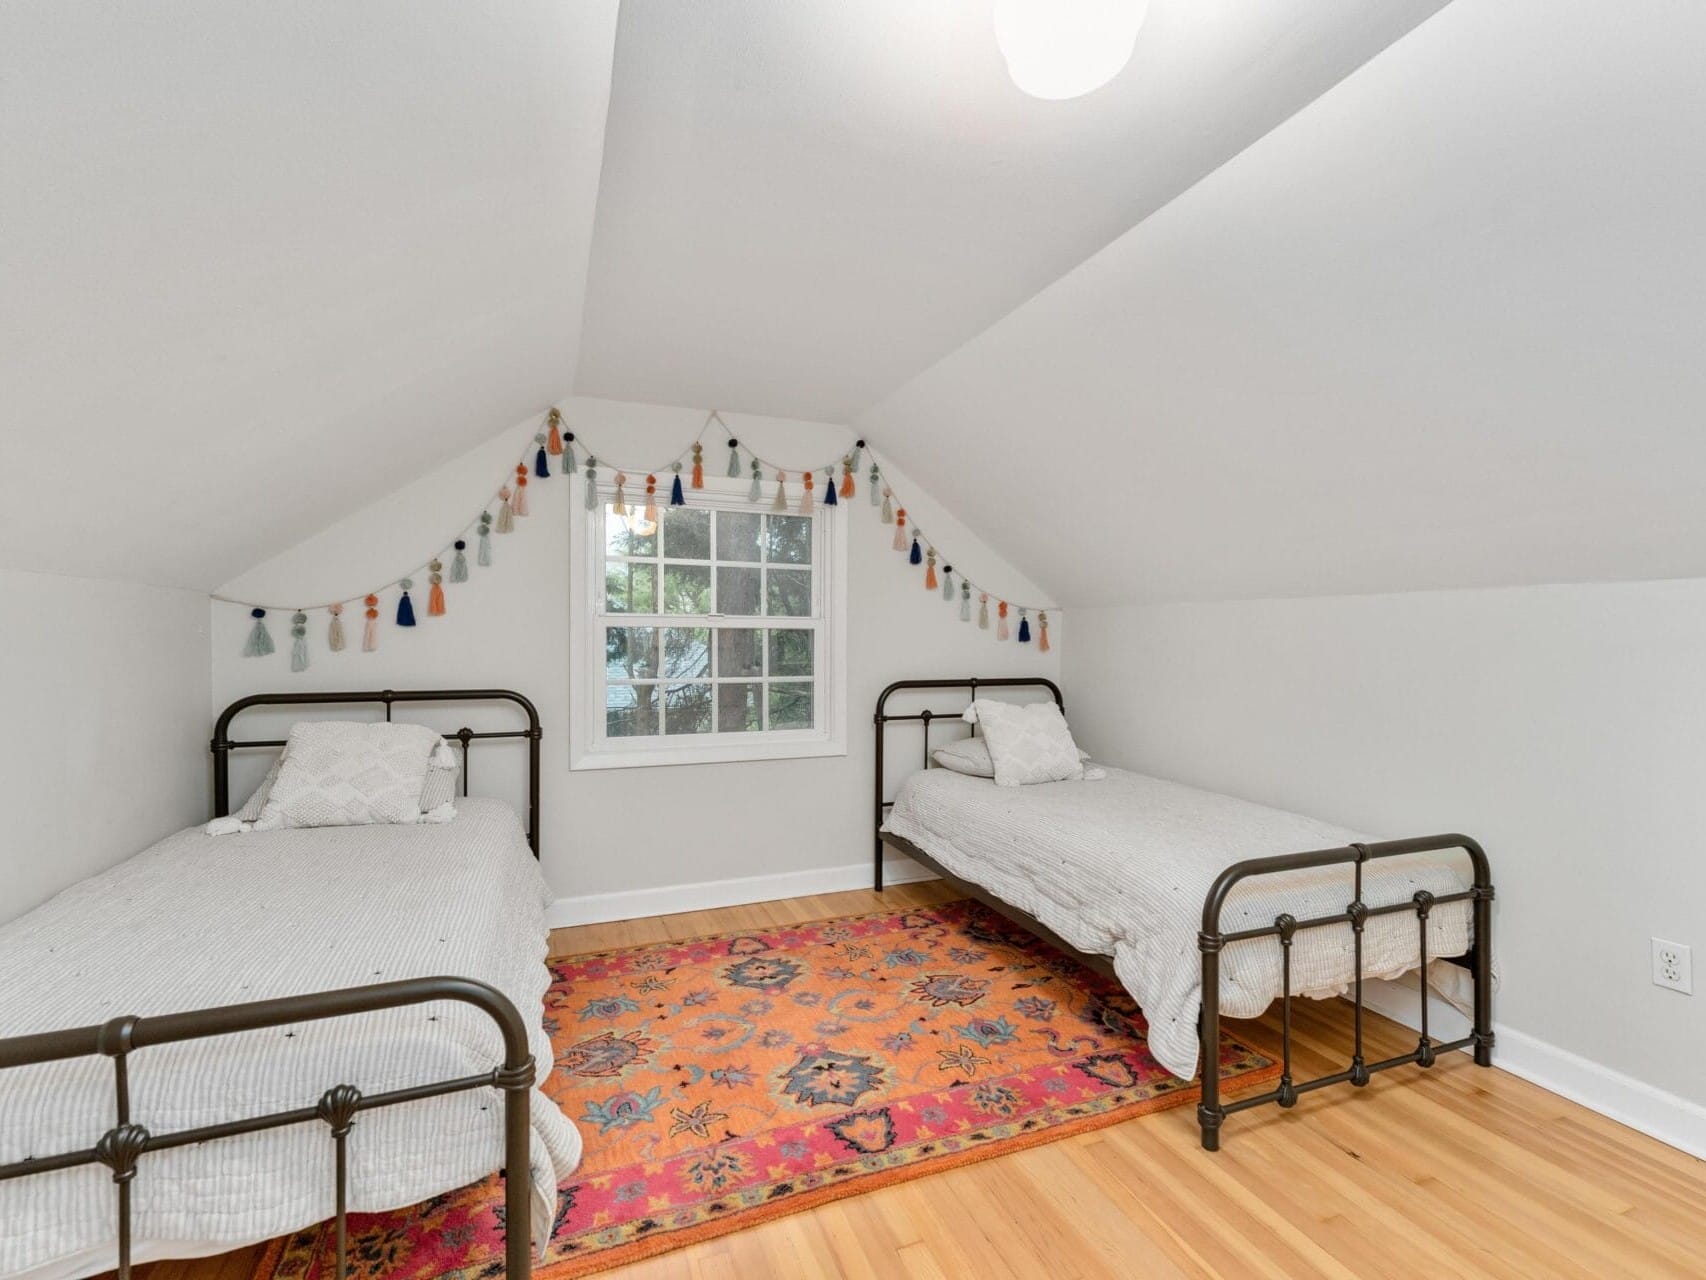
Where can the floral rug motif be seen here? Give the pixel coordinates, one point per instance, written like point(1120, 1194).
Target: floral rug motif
point(722, 1081)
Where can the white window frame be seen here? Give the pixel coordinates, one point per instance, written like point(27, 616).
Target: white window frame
point(590, 748)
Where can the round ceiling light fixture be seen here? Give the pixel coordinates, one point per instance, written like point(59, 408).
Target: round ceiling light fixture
point(1059, 49)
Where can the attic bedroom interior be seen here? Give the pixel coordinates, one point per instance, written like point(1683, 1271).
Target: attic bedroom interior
point(775, 638)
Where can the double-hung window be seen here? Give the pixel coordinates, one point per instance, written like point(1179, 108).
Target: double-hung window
point(711, 633)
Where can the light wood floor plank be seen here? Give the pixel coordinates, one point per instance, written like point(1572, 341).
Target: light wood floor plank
point(1453, 1172)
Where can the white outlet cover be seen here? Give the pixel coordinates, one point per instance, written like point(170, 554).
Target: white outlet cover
point(1673, 966)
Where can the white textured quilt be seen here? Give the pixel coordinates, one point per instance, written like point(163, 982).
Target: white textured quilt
point(197, 921)
point(1121, 866)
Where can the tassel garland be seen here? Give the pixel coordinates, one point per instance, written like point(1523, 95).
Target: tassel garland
point(930, 583)
point(541, 459)
point(651, 500)
point(852, 463)
point(948, 583)
point(435, 597)
point(888, 505)
point(506, 513)
point(756, 492)
point(698, 466)
point(620, 505)
point(734, 460)
point(872, 482)
point(520, 490)
point(1024, 628)
point(781, 500)
point(370, 630)
point(983, 612)
point(1042, 632)
point(900, 530)
point(591, 483)
point(554, 433)
point(676, 497)
point(405, 606)
point(847, 468)
point(569, 467)
point(1001, 631)
point(806, 483)
point(830, 498)
point(259, 643)
point(916, 556)
point(299, 641)
point(485, 553)
point(965, 601)
point(335, 628)
point(459, 563)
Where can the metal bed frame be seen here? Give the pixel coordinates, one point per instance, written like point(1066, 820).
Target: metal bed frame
point(1212, 1111)
point(121, 1147)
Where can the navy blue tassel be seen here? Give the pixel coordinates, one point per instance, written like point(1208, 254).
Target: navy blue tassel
point(917, 556)
point(405, 607)
point(1024, 629)
point(676, 497)
point(829, 498)
point(541, 464)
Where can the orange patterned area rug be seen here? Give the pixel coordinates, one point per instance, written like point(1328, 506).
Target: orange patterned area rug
point(723, 1081)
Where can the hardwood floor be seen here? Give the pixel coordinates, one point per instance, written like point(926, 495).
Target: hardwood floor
point(1463, 1173)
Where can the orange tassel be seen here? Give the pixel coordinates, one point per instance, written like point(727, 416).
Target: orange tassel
point(846, 478)
point(1042, 633)
point(520, 503)
point(1001, 621)
point(900, 530)
point(698, 466)
point(554, 439)
point(435, 601)
point(806, 481)
point(930, 582)
point(651, 499)
point(370, 632)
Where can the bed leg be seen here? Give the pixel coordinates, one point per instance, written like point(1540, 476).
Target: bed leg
point(1210, 1114)
point(877, 868)
point(517, 1084)
point(1483, 968)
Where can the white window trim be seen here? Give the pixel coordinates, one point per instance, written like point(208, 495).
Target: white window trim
point(588, 749)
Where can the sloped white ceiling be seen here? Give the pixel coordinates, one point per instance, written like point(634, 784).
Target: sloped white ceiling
point(806, 203)
point(1443, 328)
point(262, 261)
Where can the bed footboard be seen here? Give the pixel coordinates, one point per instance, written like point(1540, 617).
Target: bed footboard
point(121, 1147)
point(1212, 1112)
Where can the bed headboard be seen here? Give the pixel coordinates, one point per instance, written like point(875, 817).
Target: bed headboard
point(223, 744)
point(972, 684)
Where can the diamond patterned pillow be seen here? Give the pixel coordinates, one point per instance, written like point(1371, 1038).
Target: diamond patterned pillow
point(1028, 743)
point(336, 773)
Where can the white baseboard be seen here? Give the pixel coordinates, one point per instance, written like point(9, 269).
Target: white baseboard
point(634, 904)
point(1674, 1121)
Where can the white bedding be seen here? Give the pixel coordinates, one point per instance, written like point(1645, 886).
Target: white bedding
point(1121, 866)
point(198, 921)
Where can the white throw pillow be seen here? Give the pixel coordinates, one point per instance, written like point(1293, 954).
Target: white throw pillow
point(336, 773)
point(1028, 744)
point(438, 794)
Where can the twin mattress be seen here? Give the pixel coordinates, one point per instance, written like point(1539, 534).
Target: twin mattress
point(198, 921)
point(1120, 866)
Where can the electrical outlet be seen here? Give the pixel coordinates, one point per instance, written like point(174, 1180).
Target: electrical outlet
point(1673, 966)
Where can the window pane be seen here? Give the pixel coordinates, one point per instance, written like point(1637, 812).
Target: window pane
point(737, 590)
point(631, 710)
point(791, 653)
point(739, 709)
point(687, 653)
point(791, 706)
point(620, 538)
point(737, 535)
point(687, 588)
point(740, 652)
point(687, 709)
point(630, 588)
point(790, 593)
point(790, 539)
point(630, 653)
point(686, 533)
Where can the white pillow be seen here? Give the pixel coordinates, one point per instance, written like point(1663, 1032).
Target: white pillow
point(1028, 744)
point(969, 756)
point(438, 794)
point(336, 773)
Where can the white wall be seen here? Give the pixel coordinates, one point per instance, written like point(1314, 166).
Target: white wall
point(620, 831)
point(1564, 727)
point(104, 745)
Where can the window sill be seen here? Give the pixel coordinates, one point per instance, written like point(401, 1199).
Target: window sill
point(732, 754)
